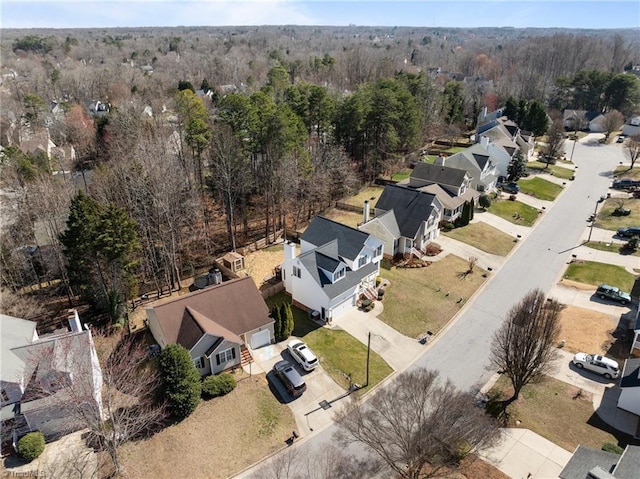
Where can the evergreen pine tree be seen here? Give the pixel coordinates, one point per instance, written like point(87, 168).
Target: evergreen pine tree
point(277, 325)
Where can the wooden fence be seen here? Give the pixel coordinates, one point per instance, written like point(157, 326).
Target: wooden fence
point(261, 243)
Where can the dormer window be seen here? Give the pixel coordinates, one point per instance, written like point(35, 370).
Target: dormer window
point(362, 261)
point(339, 274)
point(379, 250)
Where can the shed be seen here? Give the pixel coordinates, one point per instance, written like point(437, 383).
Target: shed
point(233, 261)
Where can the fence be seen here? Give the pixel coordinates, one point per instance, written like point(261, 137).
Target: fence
point(348, 207)
point(269, 289)
point(261, 243)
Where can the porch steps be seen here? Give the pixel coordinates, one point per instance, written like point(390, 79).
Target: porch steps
point(245, 356)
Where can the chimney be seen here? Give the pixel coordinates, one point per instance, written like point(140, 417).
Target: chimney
point(74, 321)
point(484, 141)
point(439, 160)
point(366, 211)
point(289, 251)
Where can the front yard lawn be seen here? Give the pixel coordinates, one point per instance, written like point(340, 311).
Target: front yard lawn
point(338, 351)
point(557, 411)
point(540, 188)
point(591, 272)
point(484, 237)
point(626, 172)
point(425, 299)
point(514, 211)
point(370, 193)
point(610, 247)
point(223, 436)
point(608, 221)
point(555, 170)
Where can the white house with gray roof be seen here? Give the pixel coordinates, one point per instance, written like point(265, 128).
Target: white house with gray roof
point(337, 265)
point(478, 162)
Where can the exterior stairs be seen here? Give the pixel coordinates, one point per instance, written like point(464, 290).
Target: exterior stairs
point(245, 356)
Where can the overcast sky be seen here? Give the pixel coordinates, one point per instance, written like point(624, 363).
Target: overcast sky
point(421, 13)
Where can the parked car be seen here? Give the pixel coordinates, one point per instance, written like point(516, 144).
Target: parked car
point(621, 138)
point(302, 354)
point(605, 291)
point(625, 183)
point(509, 187)
point(629, 232)
point(598, 364)
point(291, 379)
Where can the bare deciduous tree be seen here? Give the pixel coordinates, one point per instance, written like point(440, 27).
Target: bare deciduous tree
point(632, 149)
point(555, 140)
point(612, 121)
point(524, 347)
point(418, 425)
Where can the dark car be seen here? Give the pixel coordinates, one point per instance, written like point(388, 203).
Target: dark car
point(509, 187)
point(289, 377)
point(629, 232)
point(625, 183)
point(621, 138)
point(605, 291)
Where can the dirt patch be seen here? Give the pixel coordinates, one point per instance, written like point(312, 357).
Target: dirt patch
point(261, 264)
point(585, 330)
point(576, 284)
point(222, 437)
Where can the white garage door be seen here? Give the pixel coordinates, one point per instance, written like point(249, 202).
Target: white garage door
point(260, 339)
point(343, 307)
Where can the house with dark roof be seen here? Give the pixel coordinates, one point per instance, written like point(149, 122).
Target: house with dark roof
point(479, 164)
point(452, 187)
point(588, 463)
point(406, 220)
point(217, 325)
point(337, 265)
point(51, 383)
point(579, 120)
point(505, 138)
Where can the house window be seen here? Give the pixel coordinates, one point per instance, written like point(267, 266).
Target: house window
point(379, 250)
point(5, 397)
point(297, 272)
point(340, 273)
point(362, 261)
point(225, 356)
point(199, 362)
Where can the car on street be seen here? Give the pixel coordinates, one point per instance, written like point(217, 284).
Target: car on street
point(625, 183)
point(291, 378)
point(598, 364)
point(605, 291)
point(302, 354)
point(621, 138)
point(629, 231)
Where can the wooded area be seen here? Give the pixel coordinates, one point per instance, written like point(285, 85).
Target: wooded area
point(132, 158)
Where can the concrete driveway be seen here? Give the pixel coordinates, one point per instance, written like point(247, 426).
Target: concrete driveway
point(315, 408)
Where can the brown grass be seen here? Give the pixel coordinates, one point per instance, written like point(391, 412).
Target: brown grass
point(222, 437)
point(585, 330)
point(540, 406)
point(260, 264)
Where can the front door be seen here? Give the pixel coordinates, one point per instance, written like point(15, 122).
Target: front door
point(323, 312)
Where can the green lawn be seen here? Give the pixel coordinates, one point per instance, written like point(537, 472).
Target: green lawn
point(484, 237)
point(625, 172)
point(425, 299)
point(591, 272)
point(610, 247)
point(339, 352)
point(402, 175)
point(540, 188)
point(606, 220)
point(367, 194)
point(455, 149)
point(514, 211)
point(556, 411)
point(555, 170)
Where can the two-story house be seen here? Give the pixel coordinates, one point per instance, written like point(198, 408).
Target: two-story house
point(452, 187)
point(479, 165)
point(337, 265)
point(406, 220)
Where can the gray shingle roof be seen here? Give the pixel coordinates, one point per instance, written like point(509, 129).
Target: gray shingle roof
point(585, 459)
point(629, 464)
point(443, 175)
point(411, 207)
point(314, 258)
point(323, 230)
point(631, 373)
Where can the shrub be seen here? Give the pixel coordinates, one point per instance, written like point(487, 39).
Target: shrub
point(218, 385)
point(181, 380)
point(484, 202)
point(607, 446)
point(31, 445)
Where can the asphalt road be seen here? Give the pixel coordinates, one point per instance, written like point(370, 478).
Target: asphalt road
point(461, 352)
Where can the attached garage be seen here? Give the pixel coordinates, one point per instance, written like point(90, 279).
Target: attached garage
point(261, 338)
point(343, 307)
